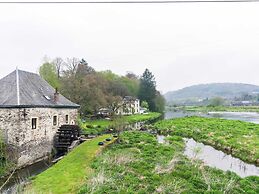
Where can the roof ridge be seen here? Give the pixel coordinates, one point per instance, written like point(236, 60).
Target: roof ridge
point(25, 89)
point(17, 86)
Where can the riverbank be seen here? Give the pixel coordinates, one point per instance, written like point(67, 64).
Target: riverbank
point(240, 139)
point(206, 109)
point(94, 127)
point(139, 164)
point(69, 174)
point(7, 166)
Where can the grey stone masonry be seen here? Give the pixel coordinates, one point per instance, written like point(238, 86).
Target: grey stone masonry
point(31, 130)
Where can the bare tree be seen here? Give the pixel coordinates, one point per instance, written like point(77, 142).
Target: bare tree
point(131, 75)
point(71, 65)
point(58, 62)
point(114, 103)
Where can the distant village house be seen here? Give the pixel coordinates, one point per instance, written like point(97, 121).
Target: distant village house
point(129, 106)
point(31, 111)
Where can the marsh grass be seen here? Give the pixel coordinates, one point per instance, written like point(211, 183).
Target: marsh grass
point(221, 108)
point(238, 138)
point(139, 164)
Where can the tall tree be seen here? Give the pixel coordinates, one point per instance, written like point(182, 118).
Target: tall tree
point(159, 102)
point(71, 65)
point(48, 72)
point(84, 69)
point(58, 62)
point(147, 89)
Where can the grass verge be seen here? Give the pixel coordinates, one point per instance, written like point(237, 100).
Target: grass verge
point(69, 174)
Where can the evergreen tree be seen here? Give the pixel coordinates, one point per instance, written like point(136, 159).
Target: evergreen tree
point(147, 89)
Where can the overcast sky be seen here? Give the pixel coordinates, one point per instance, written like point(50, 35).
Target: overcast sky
point(182, 44)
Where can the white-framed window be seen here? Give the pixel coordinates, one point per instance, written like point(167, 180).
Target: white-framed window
point(34, 123)
point(55, 120)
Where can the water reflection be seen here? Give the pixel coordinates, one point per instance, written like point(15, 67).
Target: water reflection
point(252, 117)
point(215, 158)
point(20, 177)
point(160, 138)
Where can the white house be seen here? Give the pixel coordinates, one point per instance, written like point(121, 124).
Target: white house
point(129, 106)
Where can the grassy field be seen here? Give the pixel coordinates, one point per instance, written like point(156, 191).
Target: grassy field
point(69, 174)
point(140, 165)
point(98, 126)
point(221, 108)
point(241, 139)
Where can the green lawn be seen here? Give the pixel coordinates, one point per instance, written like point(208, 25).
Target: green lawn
point(98, 126)
point(139, 164)
point(239, 138)
point(69, 174)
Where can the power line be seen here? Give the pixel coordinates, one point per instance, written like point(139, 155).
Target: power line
point(129, 2)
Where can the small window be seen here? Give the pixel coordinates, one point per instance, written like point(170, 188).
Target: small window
point(67, 119)
point(34, 123)
point(47, 97)
point(55, 120)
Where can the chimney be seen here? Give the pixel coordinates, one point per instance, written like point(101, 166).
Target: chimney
point(56, 96)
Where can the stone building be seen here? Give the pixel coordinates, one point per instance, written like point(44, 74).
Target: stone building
point(31, 111)
point(129, 106)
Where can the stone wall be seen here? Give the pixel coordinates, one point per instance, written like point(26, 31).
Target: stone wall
point(33, 144)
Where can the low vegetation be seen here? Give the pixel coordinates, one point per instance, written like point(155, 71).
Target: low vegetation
point(239, 138)
point(139, 164)
point(98, 126)
point(69, 174)
point(6, 165)
point(221, 108)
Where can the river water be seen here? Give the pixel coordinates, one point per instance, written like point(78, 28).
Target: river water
point(215, 158)
point(21, 176)
point(252, 117)
point(210, 156)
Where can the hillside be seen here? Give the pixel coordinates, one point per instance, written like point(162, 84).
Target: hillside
point(203, 91)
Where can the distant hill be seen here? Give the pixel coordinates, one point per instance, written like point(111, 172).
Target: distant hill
point(203, 91)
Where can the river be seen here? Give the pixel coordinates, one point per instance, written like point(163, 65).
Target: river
point(209, 155)
point(252, 117)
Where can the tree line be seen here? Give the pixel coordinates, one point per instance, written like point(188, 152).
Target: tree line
point(92, 89)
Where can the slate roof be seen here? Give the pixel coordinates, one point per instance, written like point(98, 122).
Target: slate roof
point(33, 92)
point(129, 98)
